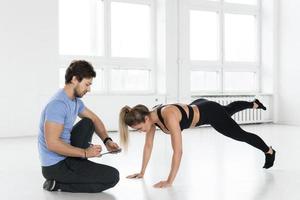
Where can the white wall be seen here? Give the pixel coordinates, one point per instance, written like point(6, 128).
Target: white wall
point(289, 62)
point(28, 46)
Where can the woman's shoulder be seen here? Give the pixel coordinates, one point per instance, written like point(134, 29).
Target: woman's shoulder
point(170, 110)
point(157, 106)
point(166, 109)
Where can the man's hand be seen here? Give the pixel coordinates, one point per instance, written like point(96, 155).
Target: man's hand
point(93, 151)
point(112, 146)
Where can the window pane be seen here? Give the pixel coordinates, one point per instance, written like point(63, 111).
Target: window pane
point(249, 2)
point(130, 30)
point(75, 27)
point(130, 80)
point(98, 82)
point(204, 81)
point(240, 38)
point(204, 37)
point(240, 81)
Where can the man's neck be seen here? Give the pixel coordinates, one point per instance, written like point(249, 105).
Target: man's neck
point(69, 90)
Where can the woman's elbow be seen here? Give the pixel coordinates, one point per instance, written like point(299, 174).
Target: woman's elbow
point(178, 152)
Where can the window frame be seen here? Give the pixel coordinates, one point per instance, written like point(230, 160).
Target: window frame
point(107, 62)
point(186, 65)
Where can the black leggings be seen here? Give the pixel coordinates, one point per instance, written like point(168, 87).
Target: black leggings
point(219, 117)
point(81, 175)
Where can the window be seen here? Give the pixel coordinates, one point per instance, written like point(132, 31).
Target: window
point(130, 80)
point(219, 48)
point(98, 82)
point(130, 30)
point(249, 2)
point(76, 27)
point(204, 81)
point(240, 38)
point(204, 35)
point(240, 81)
point(110, 33)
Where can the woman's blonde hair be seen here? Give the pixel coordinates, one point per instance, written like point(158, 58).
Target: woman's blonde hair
point(130, 117)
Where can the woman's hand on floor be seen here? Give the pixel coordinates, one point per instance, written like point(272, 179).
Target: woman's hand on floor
point(162, 184)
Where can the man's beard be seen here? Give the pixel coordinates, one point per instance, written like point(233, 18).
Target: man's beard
point(77, 95)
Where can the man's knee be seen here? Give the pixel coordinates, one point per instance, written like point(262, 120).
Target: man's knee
point(87, 122)
point(116, 176)
point(110, 175)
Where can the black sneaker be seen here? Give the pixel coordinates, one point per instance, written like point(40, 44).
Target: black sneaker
point(260, 105)
point(49, 185)
point(270, 158)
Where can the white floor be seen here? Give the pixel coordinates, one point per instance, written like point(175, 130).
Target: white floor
point(213, 168)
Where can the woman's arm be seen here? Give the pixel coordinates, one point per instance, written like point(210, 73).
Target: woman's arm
point(177, 151)
point(146, 153)
point(172, 123)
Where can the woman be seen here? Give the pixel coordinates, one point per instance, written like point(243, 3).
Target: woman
point(174, 118)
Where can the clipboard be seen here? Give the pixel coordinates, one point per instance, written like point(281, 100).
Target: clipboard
point(111, 152)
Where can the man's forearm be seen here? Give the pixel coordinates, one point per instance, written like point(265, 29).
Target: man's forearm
point(100, 128)
point(66, 149)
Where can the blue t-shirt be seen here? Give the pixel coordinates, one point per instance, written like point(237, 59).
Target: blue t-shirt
point(62, 110)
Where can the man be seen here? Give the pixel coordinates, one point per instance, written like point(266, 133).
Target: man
point(64, 150)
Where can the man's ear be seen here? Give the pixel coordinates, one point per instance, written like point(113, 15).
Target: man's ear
point(74, 80)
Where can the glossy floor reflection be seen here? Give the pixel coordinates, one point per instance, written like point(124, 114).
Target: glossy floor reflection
point(213, 167)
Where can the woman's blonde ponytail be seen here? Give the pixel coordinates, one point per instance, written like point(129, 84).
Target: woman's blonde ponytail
point(123, 127)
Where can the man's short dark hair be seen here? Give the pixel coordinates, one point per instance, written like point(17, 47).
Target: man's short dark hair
point(80, 69)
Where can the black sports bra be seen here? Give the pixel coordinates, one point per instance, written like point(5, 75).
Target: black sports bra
point(185, 121)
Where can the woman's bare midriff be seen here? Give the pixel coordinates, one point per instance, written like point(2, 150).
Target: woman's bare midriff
point(197, 116)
